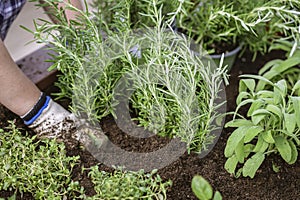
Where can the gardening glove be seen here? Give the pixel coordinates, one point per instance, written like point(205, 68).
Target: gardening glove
point(50, 120)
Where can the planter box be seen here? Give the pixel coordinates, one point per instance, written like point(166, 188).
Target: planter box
point(35, 67)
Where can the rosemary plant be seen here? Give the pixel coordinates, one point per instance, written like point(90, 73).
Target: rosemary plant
point(135, 13)
point(255, 24)
point(174, 91)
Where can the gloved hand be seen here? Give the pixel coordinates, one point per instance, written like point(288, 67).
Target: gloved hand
point(56, 122)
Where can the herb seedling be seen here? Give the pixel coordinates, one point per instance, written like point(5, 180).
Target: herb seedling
point(128, 185)
point(41, 168)
point(203, 190)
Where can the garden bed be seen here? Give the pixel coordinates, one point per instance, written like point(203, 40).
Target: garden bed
point(267, 184)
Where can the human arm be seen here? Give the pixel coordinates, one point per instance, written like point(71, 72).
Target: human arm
point(70, 14)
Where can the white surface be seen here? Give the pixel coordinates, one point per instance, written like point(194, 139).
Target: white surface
point(17, 40)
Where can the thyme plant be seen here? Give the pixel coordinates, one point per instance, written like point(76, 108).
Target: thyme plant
point(128, 185)
point(40, 168)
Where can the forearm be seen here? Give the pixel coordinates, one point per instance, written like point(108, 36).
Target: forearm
point(70, 15)
point(17, 92)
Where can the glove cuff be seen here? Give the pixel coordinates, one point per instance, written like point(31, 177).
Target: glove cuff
point(36, 110)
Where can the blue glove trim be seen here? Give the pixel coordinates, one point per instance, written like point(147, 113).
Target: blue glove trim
point(29, 122)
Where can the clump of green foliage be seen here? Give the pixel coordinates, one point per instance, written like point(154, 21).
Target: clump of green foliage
point(203, 190)
point(135, 13)
point(38, 167)
point(128, 185)
point(255, 24)
point(175, 92)
point(272, 123)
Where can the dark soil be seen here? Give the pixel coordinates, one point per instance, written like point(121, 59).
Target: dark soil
point(266, 185)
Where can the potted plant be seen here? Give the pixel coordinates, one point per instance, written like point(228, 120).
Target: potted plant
point(135, 14)
point(226, 26)
point(174, 93)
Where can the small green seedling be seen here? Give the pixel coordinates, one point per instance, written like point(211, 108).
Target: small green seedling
point(128, 185)
point(203, 190)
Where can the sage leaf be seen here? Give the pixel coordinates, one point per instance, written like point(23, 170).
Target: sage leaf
point(289, 122)
point(252, 132)
point(282, 87)
point(261, 145)
point(257, 118)
point(296, 103)
point(267, 136)
point(284, 148)
point(269, 66)
point(294, 152)
point(238, 123)
point(296, 87)
point(252, 164)
point(248, 149)
point(241, 96)
point(240, 152)
point(277, 70)
point(254, 106)
point(230, 164)
point(217, 196)
point(246, 84)
point(201, 188)
point(234, 139)
point(261, 83)
point(275, 110)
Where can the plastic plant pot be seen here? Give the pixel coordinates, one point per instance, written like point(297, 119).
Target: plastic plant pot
point(229, 58)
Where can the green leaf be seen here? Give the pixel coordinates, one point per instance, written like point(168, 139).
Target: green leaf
point(240, 152)
point(201, 188)
point(257, 118)
point(280, 91)
point(267, 136)
point(243, 103)
point(254, 106)
point(278, 69)
point(296, 103)
point(251, 165)
point(261, 83)
point(247, 84)
point(252, 132)
point(290, 122)
point(259, 115)
point(248, 149)
point(263, 94)
point(217, 196)
point(275, 110)
point(269, 66)
point(282, 86)
point(234, 139)
point(296, 87)
point(261, 112)
point(230, 164)
point(238, 123)
point(241, 96)
point(284, 148)
point(261, 145)
point(294, 152)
